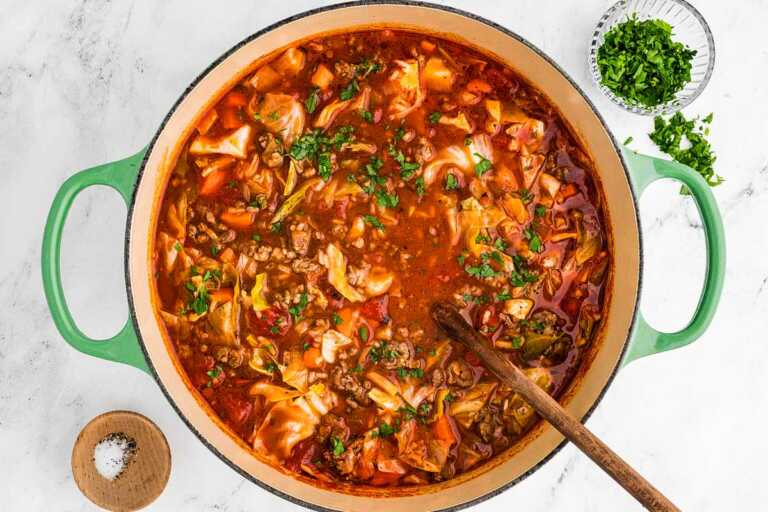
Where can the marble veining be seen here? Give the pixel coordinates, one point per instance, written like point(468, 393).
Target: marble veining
point(86, 81)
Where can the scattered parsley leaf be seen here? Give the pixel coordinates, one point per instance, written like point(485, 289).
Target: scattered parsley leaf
point(483, 166)
point(312, 100)
point(451, 183)
point(350, 91)
point(373, 221)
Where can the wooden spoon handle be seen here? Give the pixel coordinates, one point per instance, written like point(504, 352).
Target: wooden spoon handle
point(457, 328)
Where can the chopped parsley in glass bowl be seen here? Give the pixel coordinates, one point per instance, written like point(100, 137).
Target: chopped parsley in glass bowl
point(652, 58)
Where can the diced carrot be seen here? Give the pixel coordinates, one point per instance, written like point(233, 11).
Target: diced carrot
point(238, 219)
point(313, 358)
point(444, 430)
point(221, 295)
point(476, 85)
point(227, 255)
point(235, 99)
point(349, 320)
point(230, 118)
point(566, 191)
point(322, 77)
point(207, 121)
point(427, 46)
point(265, 78)
point(214, 182)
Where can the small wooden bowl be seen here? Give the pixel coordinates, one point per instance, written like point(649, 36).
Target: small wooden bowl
point(144, 476)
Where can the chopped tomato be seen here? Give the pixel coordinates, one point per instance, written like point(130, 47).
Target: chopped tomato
point(487, 318)
point(214, 182)
point(381, 478)
point(230, 118)
point(236, 409)
point(271, 322)
point(238, 220)
point(376, 309)
point(204, 372)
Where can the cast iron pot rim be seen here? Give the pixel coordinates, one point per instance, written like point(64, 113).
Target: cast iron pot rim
point(276, 25)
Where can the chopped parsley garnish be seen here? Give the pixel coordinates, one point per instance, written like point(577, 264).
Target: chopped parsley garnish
point(481, 271)
point(685, 142)
point(274, 329)
point(434, 117)
point(451, 183)
point(324, 166)
point(315, 146)
point(482, 239)
point(215, 372)
point(271, 366)
point(215, 250)
point(628, 140)
point(373, 221)
point(337, 446)
point(420, 188)
point(366, 67)
point(382, 351)
point(517, 342)
point(385, 429)
point(525, 195)
point(336, 319)
point(296, 310)
point(358, 369)
point(407, 169)
point(540, 210)
point(534, 241)
point(312, 100)
point(483, 166)
point(640, 62)
point(387, 200)
point(350, 91)
point(404, 372)
point(256, 237)
point(306, 346)
point(501, 297)
point(399, 133)
point(274, 116)
point(521, 275)
point(500, 245)
point(276, 227)
point(363, 333)
point(367, 116)
point(449, 398)
point(467, 141)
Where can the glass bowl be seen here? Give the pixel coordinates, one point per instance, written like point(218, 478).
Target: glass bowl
point(688, 27)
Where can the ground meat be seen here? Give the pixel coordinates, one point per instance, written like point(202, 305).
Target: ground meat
point(398, 354)
point(438, 377)
point(234, 357)
point(490, 427)
point(344, 380)
point(332, 426)
point(305, 266)
point(300, 238)
point(459, 373)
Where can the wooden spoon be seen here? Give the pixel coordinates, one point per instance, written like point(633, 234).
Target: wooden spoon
point(454, 325)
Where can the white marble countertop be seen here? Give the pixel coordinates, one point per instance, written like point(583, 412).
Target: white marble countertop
point(85, 82)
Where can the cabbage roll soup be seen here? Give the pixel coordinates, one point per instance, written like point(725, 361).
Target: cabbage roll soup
point(318, 210)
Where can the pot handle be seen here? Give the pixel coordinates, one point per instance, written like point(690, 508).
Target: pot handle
point(643, 171)
point(121, 176)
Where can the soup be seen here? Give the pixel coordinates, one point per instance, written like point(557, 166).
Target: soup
point(321, 207)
